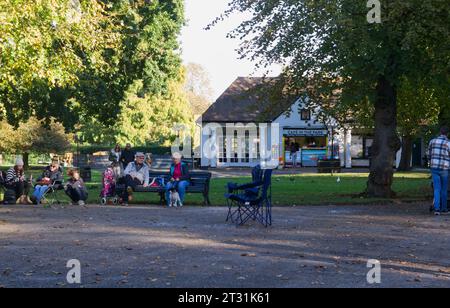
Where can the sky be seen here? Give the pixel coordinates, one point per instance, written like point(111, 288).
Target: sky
point(211, 49)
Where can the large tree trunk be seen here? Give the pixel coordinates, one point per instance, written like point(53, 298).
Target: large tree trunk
point(26, 160)
point(386, 142)
point(405, 162)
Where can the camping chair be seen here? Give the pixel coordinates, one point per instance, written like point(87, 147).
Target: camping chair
point(233, 188)
point(250, 206)
point(50, 196)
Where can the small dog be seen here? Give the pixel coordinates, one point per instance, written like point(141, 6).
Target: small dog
point(175, 200)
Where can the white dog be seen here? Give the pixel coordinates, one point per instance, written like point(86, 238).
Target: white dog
point(175, 200)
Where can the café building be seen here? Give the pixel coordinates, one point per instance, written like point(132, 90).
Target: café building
point(294, 127)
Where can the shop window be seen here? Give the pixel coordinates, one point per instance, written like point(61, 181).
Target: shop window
point(361, 147)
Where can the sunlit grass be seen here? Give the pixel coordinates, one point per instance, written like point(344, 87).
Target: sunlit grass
point(302, 189)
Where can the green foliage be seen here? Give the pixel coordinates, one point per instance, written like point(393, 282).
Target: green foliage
point(70, 59)
point(44, 47)
point(34, 136)
point(330, 44)
point(144, 119)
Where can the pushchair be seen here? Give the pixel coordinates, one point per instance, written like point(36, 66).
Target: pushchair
point(111, 187)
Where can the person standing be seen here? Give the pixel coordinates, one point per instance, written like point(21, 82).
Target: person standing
point(294, 151)
point(439, 154)
point(127, 156)
point(115, 154)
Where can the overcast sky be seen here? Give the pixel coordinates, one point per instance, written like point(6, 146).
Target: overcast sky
point(212, 49)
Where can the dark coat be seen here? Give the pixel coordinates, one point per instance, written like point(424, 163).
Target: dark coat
point(184, 172)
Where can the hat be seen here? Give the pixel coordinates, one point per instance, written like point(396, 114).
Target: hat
point(19, 161)
point(139, 154)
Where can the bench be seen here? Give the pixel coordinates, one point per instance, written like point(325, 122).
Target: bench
point(199, 183)
point(329, 166)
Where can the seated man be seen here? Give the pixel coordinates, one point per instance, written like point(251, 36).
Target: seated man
point(179, 178)
point(75, 188)
point(137, 173)
point(52, 174)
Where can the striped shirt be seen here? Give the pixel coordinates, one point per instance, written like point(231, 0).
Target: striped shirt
point(439, 153)
point(13, 177)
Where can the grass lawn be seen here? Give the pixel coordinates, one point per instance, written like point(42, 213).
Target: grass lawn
point(304, 189)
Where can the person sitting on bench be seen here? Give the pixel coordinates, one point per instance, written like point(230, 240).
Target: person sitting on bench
point(75, 188)
point(179, 178)
point(52, 174)
point(137, 173)
point(15, 180)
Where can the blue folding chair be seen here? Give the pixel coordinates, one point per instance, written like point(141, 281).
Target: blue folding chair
point(251, 201)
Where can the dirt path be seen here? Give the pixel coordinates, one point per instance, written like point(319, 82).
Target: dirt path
point(323, 246)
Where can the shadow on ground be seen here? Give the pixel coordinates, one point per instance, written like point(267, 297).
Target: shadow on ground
point(321, 246)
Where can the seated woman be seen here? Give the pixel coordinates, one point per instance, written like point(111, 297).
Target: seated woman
point(136, 173)
point(52, 174)
point(15, 180)
point(75, 188)
point(179, 178)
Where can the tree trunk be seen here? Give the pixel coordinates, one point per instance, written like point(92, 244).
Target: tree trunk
point(386, 142)
point(26, 160)
point(405, 162)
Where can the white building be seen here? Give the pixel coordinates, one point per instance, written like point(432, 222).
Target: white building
point(240, 123)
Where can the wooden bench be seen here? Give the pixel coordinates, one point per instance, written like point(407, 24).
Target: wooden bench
point(199, 183)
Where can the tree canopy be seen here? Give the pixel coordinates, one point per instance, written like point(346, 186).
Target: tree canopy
point(332, 52)
point(66, 59)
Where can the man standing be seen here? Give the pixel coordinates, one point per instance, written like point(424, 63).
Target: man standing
point(127, 156)
point(439, 153)
point(294, 152)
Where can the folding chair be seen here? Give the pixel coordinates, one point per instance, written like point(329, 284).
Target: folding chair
point(236, 189)
point(251, 201)
point(50, 196)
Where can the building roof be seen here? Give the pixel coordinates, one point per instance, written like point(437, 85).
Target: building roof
point(246, 100)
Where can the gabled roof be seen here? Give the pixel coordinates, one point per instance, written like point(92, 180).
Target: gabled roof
point(246, 100)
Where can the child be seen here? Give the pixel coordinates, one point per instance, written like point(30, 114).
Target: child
point(75, 188)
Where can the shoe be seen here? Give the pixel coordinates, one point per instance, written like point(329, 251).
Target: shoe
point(81, 203)
point(34, 200)
point(130, 194)
point(445, 212)
point(437, 213)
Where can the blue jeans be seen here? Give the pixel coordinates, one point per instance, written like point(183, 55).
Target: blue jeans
point(39, 191)
point(180, 188)
point(440, 183)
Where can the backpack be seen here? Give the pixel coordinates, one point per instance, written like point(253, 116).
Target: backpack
point(158, 182)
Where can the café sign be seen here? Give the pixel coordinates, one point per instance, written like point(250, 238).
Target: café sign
point(305, 132)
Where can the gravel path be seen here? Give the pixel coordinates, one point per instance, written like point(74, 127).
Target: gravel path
point(323, 246)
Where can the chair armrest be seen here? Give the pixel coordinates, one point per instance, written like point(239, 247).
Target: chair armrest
point(235, 187)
